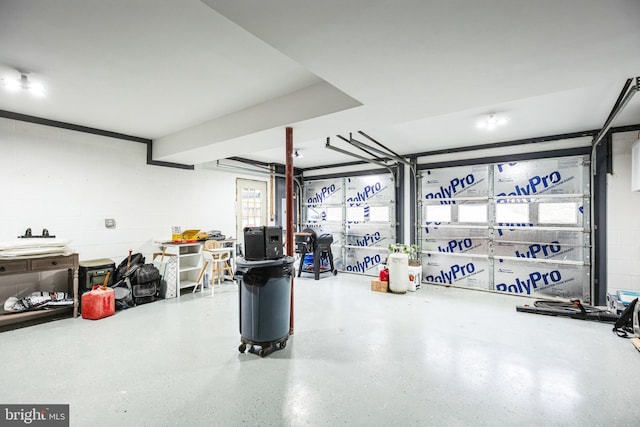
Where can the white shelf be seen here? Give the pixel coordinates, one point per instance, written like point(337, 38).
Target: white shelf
point(189, 262)
point(190, 255)
point(187, 284)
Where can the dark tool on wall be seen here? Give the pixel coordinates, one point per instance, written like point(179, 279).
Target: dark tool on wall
point(29, 235)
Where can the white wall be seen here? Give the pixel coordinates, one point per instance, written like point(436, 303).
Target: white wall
point(69, 182)
point(623, 219)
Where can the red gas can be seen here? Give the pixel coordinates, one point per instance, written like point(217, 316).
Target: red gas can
point(98, 303)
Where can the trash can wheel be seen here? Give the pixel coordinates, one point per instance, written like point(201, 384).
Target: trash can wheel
point(242, 348)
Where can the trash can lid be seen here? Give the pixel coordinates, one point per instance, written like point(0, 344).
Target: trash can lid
point(285, 260)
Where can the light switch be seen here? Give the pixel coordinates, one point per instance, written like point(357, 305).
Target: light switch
point(110, 223)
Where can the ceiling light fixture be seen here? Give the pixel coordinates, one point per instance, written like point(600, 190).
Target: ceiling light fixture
point(23, 83)
point(491, 122)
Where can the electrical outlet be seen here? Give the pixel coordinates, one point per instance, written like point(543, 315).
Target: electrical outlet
point(110, 223)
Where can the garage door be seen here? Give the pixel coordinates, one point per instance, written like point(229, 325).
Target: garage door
point(359, 212)
point(519, 228)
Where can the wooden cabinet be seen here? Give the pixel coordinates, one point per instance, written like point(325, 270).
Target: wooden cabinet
point(14, 267)
point(23, 266)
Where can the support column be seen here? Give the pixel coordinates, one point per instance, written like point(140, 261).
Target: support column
point(289, 205)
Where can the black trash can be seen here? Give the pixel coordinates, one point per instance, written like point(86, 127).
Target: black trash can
point(265, 304)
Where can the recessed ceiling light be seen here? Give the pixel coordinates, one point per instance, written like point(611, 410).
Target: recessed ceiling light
point(491, 122)
point(13, 84)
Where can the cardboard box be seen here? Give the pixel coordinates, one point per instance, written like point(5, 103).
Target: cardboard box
point(187, 236)
point(379, 286)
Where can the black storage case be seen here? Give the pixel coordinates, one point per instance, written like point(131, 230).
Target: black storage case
point(93, 272)
point(262, 243)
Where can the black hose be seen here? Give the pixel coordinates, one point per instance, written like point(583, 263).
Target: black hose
point(567, 307)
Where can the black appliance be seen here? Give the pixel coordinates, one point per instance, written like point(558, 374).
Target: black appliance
point(308, 242)
point(262, 243)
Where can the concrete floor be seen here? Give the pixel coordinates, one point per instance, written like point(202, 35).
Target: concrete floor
point(437, 357)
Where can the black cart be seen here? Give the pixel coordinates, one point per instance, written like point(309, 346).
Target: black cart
point(265, 304)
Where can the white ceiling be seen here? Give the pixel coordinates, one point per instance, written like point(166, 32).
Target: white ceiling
point(218, 78)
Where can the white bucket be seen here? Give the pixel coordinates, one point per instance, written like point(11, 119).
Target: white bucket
point(398, 264)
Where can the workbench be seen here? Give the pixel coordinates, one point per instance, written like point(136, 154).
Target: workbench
point(14, 271)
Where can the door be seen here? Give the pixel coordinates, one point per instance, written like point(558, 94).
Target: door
point(251, 205)
point(518, 227)
point(359, 212)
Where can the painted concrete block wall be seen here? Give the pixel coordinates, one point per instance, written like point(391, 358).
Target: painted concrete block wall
point(623, 219)
point(69, 182)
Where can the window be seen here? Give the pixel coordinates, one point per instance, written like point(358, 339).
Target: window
point(472, 213)
point(557, 213)
point(438, 213)
point(512, 213)
point(251, 200)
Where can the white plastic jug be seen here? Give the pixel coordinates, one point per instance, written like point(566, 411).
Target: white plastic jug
point(398, 264)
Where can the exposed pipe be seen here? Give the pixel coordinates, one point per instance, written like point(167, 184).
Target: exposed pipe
point(379, 144)
point(398, 158)
point(272, 195)
point(347, 153)
point(625, 96)
point(299, 208)
point(348, 141)
point(392, 156)
point(250, 171)
point(152, 162)
point(289, 204)
point(414, 170)
point(625, 87)
point(95, 131)
point(612, 116)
